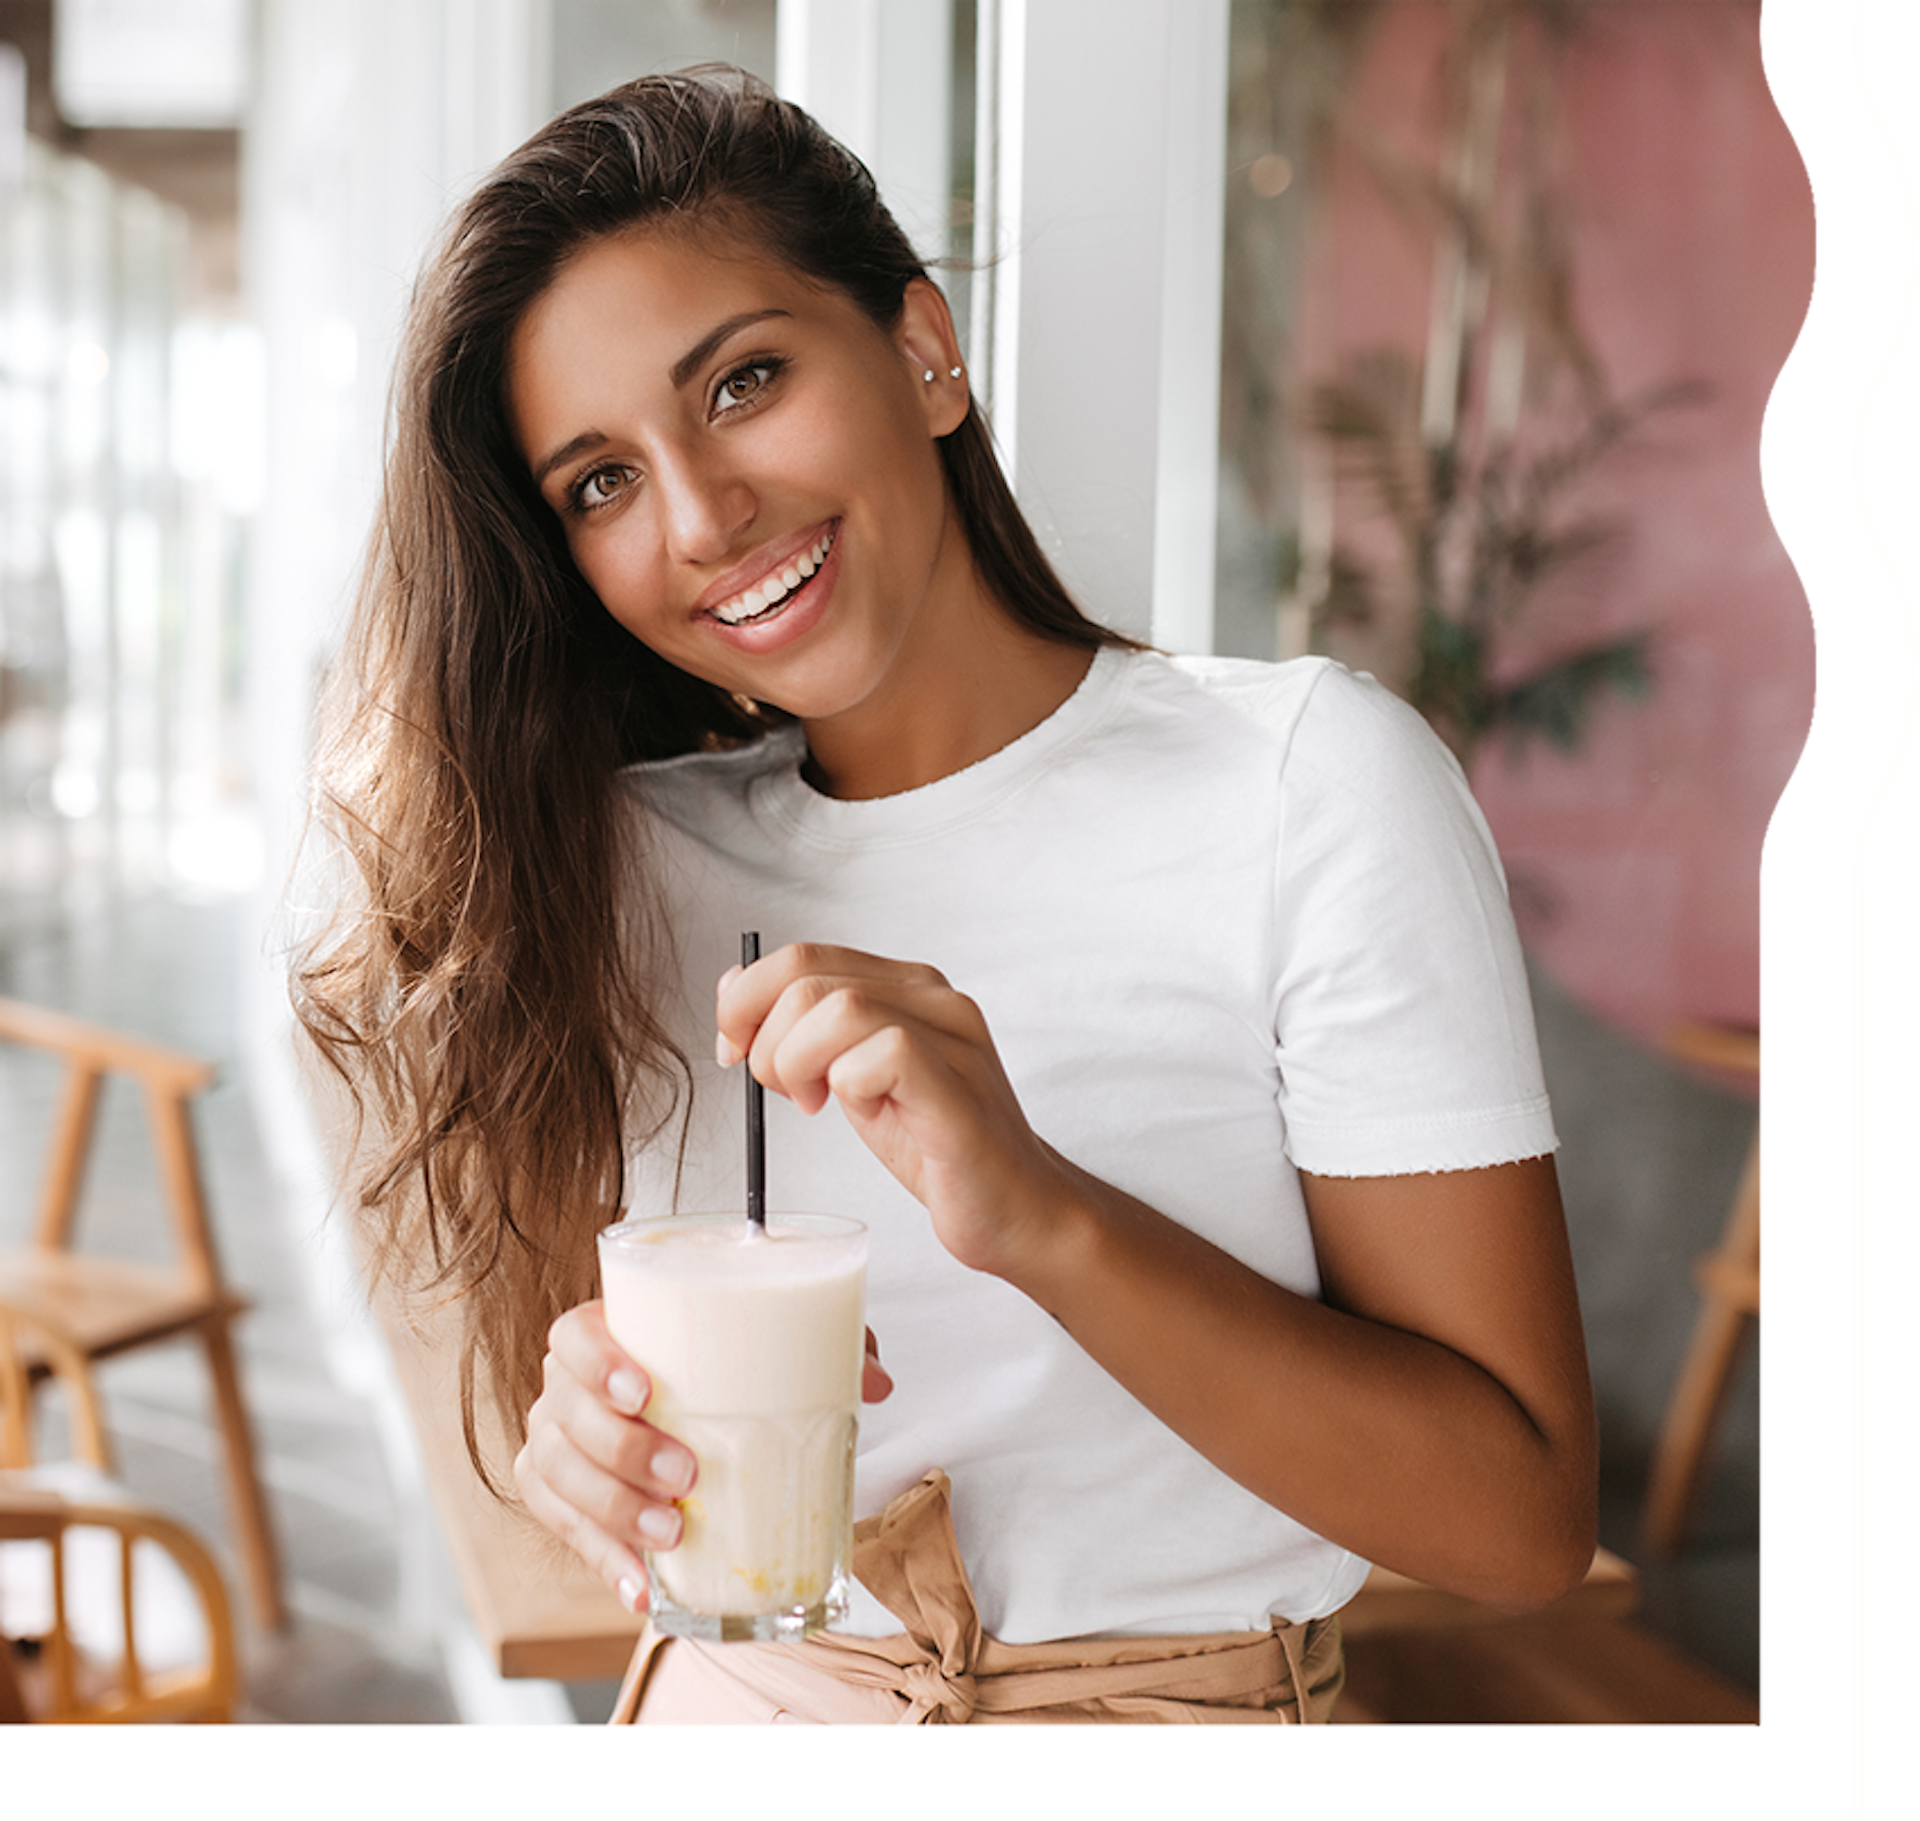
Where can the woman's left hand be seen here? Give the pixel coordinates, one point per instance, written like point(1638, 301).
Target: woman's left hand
point(913, 1066)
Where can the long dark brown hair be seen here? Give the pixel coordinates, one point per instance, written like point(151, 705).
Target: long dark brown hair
point(486, 985)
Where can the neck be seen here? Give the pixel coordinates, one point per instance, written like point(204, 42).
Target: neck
point(980, 692)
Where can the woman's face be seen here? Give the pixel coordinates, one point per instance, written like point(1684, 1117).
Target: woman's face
point(745, 465)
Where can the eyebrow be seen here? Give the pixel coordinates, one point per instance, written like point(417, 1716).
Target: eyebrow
point(679, 373)
point(695, 357)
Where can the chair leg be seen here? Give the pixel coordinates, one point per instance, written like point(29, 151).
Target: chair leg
point(173, 1137)
point(171, 1124)
point(246, 1495)
point(13, 1704)
point(1680, 1462)
point(1730, 1283)
point(67, 1155)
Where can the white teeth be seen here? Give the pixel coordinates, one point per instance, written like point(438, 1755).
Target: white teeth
point(772, 589)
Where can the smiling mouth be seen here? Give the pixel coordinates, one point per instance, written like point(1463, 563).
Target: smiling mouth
point(773, 593)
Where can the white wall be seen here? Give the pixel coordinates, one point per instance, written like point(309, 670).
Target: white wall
point(878, 75)
point(1098, 321)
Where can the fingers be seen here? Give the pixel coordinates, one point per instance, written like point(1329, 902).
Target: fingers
point(876, 1382)
point(745, 997)
point(613, 1559)
point(914, 1068)
point(826, 1038)
point(593, 1471)
point(582, 1343)
point(796, 1013)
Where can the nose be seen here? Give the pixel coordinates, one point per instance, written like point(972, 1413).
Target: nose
point(705, 505)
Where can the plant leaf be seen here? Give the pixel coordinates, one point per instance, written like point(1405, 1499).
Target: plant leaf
point(1558, 700)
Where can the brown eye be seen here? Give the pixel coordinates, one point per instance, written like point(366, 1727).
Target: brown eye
point(598, 487)
point(743, 385)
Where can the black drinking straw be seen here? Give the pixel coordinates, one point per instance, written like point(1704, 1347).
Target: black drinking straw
point(756, 1114)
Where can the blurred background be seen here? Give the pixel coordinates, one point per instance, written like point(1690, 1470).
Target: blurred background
point(1446, 327)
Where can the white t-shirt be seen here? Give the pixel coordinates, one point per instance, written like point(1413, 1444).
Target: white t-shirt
point(1226, 921)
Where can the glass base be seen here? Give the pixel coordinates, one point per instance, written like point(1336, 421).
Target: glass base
point(767, 1538)
point(747, 1627)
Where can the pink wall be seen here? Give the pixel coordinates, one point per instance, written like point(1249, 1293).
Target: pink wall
point(1635, 861)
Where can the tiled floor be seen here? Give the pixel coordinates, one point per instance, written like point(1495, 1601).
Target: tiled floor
point(364, 1646)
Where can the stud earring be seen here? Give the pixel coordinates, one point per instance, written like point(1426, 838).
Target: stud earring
point(955, 372)
point(928, 376)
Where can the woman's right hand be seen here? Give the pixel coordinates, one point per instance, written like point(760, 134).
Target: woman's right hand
point(594, 1471)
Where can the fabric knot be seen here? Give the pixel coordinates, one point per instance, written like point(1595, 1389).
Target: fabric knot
point(942, 1668)
point(943, 1699)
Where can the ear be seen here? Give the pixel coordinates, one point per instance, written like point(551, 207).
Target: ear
point(928, 344)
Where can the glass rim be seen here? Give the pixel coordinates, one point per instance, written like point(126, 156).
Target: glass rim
point(818, 1225)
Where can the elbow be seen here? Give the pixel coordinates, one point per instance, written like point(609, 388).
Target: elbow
point(1556, 1524)
point(1538, 1536)
point(1551, 1559)
point(1543, 1582)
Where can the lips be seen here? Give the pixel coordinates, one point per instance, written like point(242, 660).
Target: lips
point(774, 591)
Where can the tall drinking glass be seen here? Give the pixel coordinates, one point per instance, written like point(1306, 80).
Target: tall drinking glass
point(754, 1341)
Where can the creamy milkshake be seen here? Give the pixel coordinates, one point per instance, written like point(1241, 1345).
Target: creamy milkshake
point(754, 1342)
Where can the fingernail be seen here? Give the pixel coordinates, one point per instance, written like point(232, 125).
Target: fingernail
point(660, 1524)
point(729, 977)
point(673, 1468)
point(632, 1595)
point(723, 1051)
point(626, 1390)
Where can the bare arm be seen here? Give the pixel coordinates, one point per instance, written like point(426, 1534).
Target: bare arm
point(1433, 1414)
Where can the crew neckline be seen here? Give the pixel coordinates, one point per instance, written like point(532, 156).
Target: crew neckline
point(927, 809)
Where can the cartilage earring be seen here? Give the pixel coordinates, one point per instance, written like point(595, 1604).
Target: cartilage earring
point(928, 376)
point(952, 372)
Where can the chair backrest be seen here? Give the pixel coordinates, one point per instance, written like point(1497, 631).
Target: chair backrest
point(169, 1078)
point(109, 1610)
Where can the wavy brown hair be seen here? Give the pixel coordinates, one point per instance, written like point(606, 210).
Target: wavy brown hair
point(485, 986)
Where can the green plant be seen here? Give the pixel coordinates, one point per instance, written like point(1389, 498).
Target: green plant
point(1466, 458)
point(1477, 533)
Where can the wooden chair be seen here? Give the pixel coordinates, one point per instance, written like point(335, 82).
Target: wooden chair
point(107, 1306)
point(109, 1610)
point(1729, 1280)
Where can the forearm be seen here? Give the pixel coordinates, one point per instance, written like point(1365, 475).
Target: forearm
point(1392, 1444)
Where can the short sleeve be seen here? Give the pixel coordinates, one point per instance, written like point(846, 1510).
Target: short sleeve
point(1403, 1025)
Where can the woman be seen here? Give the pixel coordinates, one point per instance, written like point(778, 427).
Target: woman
point(1163, 1019)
